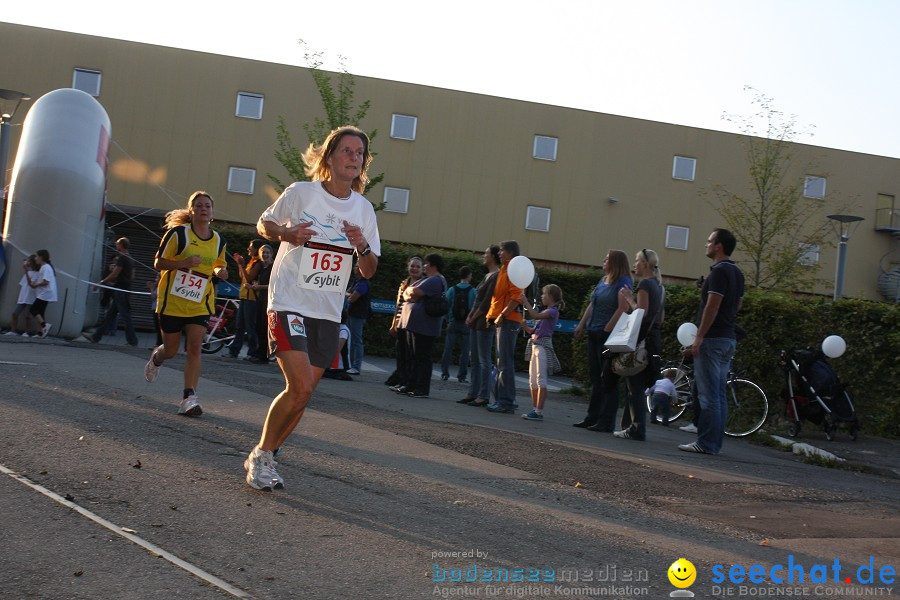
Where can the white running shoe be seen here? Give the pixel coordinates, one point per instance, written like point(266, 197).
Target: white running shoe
point(10, 333)
point(190, 407)
point(690, 428)
point(151, 369)
point(261, 473)
point(45, 329)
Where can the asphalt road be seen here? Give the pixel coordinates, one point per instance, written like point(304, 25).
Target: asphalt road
point(382, 490)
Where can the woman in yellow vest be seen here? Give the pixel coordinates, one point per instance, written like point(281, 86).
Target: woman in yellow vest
point(189, 256)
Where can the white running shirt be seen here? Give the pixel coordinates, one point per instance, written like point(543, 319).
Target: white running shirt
point(46, 292)
point(312, 279)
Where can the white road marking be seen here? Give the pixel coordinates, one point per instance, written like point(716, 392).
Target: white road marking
point(124, 532)
point(13, 362)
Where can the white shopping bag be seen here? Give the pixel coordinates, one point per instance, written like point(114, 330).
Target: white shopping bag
point(624, 336)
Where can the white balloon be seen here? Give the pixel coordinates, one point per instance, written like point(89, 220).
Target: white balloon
point(686, 334)
point(834, 346)
point(520, 271)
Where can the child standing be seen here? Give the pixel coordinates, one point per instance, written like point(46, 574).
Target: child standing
point(540, 354)
point(44, 290)
point(663, 392)
point(25, 300)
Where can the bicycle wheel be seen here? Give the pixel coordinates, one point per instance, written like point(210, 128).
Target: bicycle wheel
point(213, 344)
point(747, 407)
point(678, 405)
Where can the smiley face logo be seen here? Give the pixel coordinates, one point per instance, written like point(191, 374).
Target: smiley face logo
point(682, 573)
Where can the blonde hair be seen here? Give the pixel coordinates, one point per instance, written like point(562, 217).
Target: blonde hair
point(555, 292)
point(652, 259)
point(316, 157)
point(182, 216)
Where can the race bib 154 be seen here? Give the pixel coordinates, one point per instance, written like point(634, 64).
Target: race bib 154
point(190, 286)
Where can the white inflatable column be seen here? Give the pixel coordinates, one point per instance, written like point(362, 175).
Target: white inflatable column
point(56, 201)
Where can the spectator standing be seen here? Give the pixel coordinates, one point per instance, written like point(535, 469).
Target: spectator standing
point(261, 287)
point(422, 328)
point(598, 320)
point(650, 299)
point(461, 298)
point(713, 348)
point(542, 360)
point(120, 277)
point(506, 315)
point(247, 307)
point(398, 377)
point(482, 334)
point(26, 298)
point(44, 291)
point(358, 310)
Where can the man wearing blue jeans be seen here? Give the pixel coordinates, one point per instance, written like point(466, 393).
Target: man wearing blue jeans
point(358, 311)
point(713, 348)
point(506, 315)
point(461, 298)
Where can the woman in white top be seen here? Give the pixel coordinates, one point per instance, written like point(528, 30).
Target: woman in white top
point(321, 225)
point(26, 298)
point(44, 290)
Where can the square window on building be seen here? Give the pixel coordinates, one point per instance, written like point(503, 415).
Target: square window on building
point(814, 187)
point(396, 200)
point(403, 127)
point(684, 168)
point(887, 215)
point(537, 219)
point(249, 106)
point(545, 147)
point(677, 237)
point(241, 180)
point(87, 80)
point(809, 255)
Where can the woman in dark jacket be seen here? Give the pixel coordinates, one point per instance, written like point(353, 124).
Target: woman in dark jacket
point(261, 286)
point(422, 328)
point(414, 270)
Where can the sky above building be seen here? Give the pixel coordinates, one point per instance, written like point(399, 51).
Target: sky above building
point(829, 63)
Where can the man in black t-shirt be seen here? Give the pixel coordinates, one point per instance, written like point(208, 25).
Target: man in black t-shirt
point(713, 348)
point(120, 276)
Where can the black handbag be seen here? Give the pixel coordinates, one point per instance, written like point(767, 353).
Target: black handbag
point(437, 305)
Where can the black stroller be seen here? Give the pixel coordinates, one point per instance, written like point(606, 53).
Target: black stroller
point(818, 396)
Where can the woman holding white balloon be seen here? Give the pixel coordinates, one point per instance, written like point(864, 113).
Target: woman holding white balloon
point(505, 315)
point(599, 320)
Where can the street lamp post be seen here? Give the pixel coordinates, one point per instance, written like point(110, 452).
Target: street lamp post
point(7, 97)
point(844, 224)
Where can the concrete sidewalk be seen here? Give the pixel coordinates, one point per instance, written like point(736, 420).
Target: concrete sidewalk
point(561, 411)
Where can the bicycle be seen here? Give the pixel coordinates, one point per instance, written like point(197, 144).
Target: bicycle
point(748, 406)
point(221, 326)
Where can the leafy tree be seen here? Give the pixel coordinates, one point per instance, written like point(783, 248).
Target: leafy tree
point(336, 91)
point(775, 225)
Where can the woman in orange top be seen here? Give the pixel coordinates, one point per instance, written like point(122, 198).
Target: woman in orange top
point(506, 315)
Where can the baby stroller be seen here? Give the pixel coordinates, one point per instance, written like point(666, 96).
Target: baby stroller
point(818, 396)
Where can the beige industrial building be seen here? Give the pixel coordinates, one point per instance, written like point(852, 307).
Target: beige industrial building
point(461, 170)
